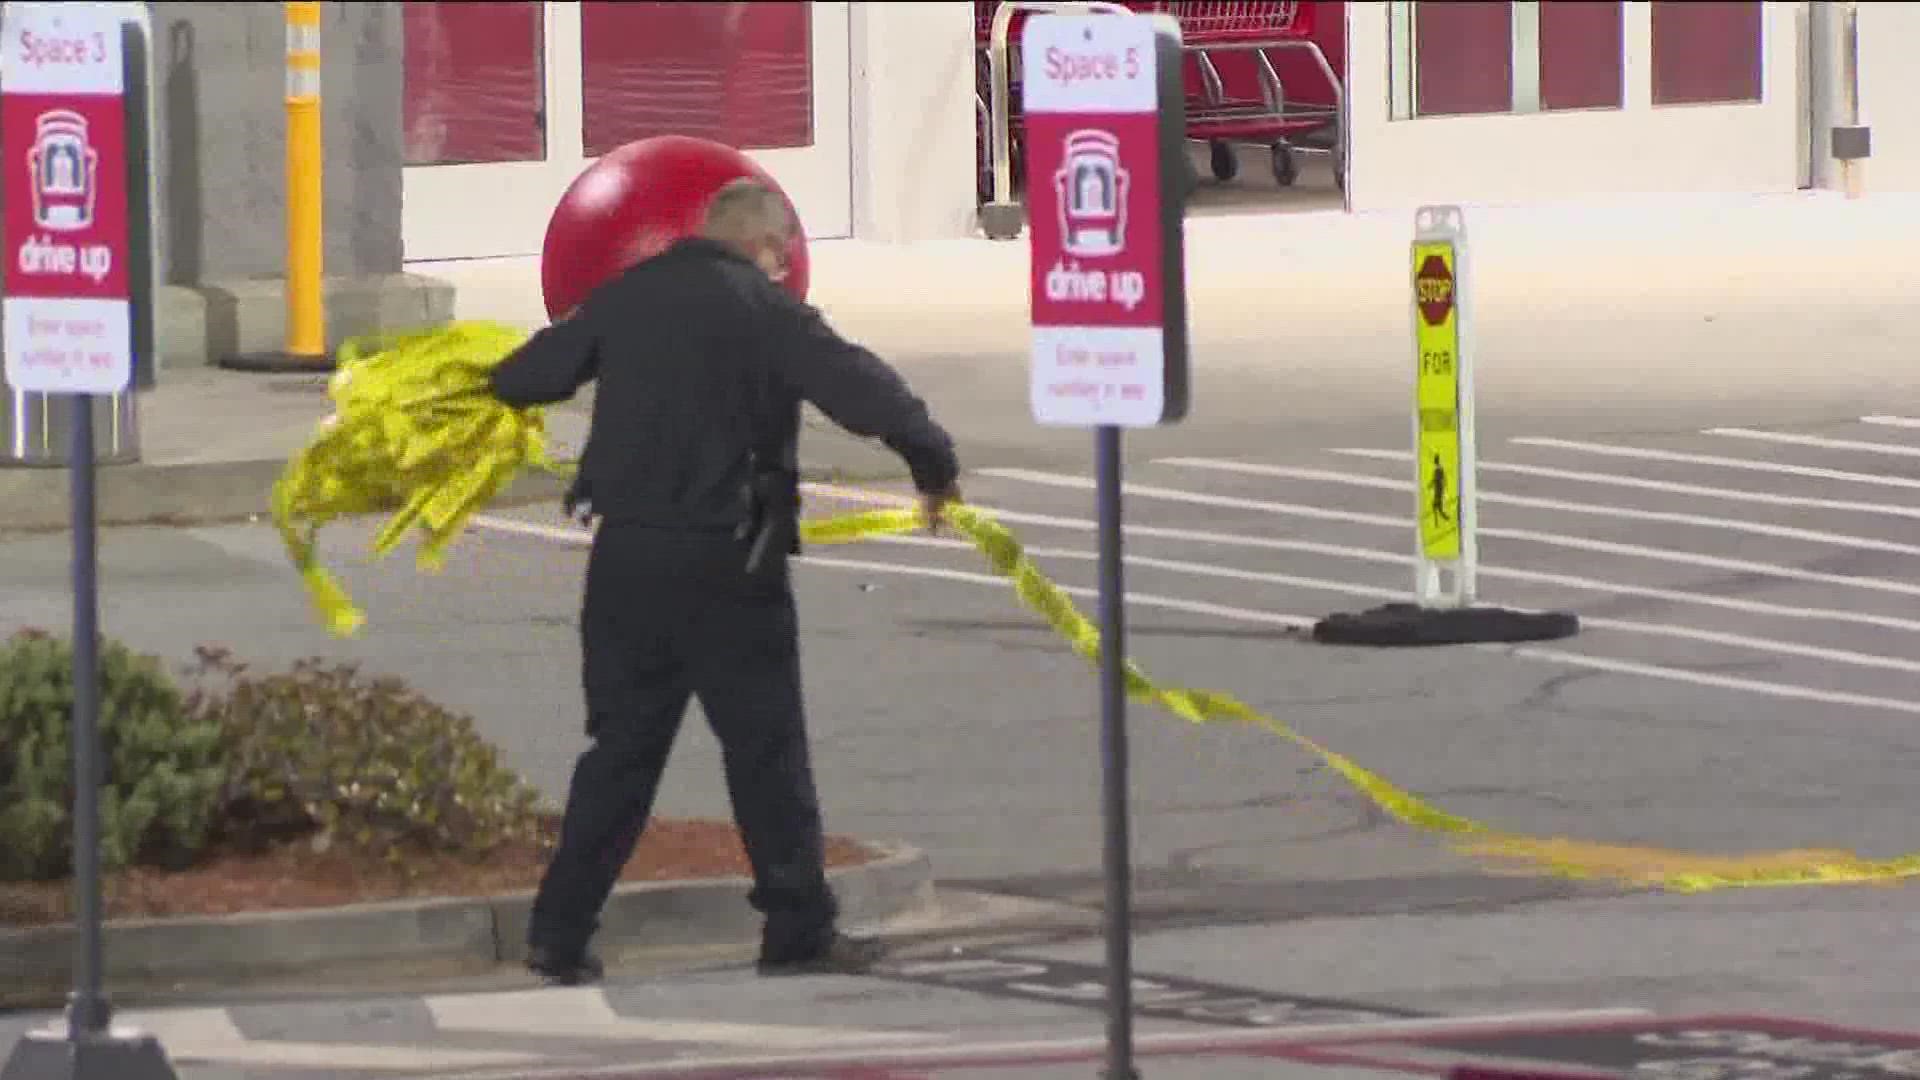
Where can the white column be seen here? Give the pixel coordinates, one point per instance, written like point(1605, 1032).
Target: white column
point(913, 120)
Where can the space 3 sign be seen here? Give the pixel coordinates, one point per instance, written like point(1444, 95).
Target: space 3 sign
point(66, 181)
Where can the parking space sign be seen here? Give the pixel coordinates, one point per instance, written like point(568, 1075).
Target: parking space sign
point(1105, 195)
point(65, 183)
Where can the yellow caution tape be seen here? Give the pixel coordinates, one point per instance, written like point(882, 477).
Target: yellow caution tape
point(417, 432)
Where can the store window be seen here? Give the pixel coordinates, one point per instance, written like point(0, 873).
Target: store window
point(1468, 57)
point(1463, 57)
point(475, 82)
point(737, 73)
point(1582, 44)
point(1706, 52)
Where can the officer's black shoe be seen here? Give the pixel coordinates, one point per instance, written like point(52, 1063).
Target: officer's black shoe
point(564, 969)
point(843, 955)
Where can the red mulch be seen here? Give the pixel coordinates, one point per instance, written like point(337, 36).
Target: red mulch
point(292, 875)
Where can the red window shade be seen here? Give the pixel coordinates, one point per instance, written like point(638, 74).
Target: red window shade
point(737, 73)
point(1463, 56)
point(475, 82)
point(1581, 49)
point(1706, 51)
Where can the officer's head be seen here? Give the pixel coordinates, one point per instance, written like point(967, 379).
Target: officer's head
point(752, 218)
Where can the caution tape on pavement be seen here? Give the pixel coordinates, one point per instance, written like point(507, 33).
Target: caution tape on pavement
point(416, 432)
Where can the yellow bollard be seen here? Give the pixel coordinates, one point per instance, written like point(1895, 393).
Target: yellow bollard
point(306, 338)
point(306, 320)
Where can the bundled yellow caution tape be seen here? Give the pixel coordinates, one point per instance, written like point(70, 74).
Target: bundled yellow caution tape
point(416, 431)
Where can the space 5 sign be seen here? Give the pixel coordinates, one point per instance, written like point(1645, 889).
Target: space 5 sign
point(1105, 205)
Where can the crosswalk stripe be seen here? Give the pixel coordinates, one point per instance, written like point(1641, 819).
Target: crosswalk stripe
point(211, 1035)
point(1788, 438)
point(1038, 1053)
point(1717, 461)
point(1762, 498)
point(1328, 476)
point(1562, 540)
point(1627, 626)
point(585, 1013)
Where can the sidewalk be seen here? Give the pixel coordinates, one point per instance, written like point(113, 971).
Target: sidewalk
point(1771, 301)
point(950, 1017)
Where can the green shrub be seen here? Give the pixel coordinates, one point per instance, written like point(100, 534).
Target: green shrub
point(165, 769)
point(367, 764)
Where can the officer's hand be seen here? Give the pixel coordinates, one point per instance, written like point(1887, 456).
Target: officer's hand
point(933, 506)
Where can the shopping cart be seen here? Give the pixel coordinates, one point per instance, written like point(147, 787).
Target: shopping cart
point(1235, 94)
point(1241, 97)
point(983, 12)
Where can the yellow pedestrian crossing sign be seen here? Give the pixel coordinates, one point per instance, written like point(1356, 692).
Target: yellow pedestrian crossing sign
point(1437, 399)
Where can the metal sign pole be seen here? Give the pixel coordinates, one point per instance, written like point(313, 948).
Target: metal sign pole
point(1117, 854)
point(89, 1013)
point(1106, 184)
point(74, 83)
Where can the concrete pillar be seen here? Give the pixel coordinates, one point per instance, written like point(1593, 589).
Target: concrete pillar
point(1826, 88)
point(913, 120)
point(1853, 70)
point(221, 152)
point(222, 139)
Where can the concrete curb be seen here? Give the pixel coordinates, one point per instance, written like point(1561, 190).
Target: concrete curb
point(413, 938)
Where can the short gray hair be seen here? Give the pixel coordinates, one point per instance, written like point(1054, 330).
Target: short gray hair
point(745, 211)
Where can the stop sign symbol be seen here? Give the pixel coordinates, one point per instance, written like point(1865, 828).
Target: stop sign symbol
point(1433, 290)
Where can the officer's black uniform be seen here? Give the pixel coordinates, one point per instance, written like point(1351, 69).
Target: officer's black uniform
point(701, 362)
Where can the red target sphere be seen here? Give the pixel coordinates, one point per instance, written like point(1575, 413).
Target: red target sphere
point(632, 204)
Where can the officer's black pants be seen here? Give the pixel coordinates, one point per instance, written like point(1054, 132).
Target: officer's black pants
point(669, 615)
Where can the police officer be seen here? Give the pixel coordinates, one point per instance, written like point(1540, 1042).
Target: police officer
point(701, 362)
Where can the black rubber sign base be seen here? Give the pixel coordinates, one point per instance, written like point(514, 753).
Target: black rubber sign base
point(1411, 624)
point(51, 1055)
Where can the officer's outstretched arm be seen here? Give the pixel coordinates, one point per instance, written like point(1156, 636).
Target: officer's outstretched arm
point(551, 366)
point(864, 394)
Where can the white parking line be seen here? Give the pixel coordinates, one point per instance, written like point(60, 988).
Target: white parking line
point(1627, 513)
point(1675, 457)
point(581, 537)
point(1788, 691)
point(1763, 498)
point(1373, 555)
point(1787, 438)
point(1625, 626)
point(1404, 525)
point(1892, 421)
point(584, 1013)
